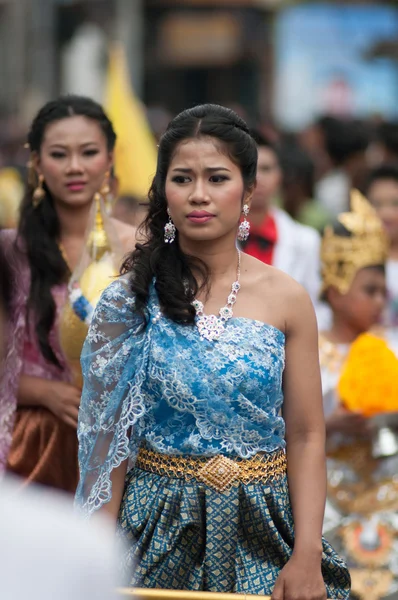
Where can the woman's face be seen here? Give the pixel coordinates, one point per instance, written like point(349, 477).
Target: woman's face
point(269, 176)
point(205, 191)
point(383, 194)
point(73, 160)
point(363, 304)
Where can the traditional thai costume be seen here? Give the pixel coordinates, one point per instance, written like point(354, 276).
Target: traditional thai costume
point(34, 443)
point(361, 511)
point(196, 412)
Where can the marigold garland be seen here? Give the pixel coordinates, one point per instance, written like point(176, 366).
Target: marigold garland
point(369, 379)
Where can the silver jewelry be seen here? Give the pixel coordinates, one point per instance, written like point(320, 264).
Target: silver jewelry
point(244, 227)
point(169, 230)
point(211, 327)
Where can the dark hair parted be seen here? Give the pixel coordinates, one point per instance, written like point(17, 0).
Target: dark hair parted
point(39, 228)
point(176, 284)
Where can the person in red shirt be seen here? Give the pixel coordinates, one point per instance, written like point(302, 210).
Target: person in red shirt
point(275, 238)
point(263, 229)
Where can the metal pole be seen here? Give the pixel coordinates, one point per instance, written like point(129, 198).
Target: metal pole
point(129, 31)
point(41, 57)
point(13, 55)
point(158, 594)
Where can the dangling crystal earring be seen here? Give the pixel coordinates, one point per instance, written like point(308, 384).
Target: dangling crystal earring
point(39, 192)
point(169, 230)
point(244, 227)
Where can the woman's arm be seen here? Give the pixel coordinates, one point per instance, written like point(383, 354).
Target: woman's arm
point(305, 426)
point(112, 507)
point(305, 442)
point(59, 397)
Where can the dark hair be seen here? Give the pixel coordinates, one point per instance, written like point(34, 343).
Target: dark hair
point(297, 167)
point(344, 139)
point(388, 136)
point(39, 227)
point(176, 284)
point(382, 172)
point(5, 283)
point(261, 138)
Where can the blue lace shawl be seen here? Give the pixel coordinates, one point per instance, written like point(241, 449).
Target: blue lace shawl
point(166, 387)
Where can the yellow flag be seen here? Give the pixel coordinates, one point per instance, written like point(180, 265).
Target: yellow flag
point(135, 152)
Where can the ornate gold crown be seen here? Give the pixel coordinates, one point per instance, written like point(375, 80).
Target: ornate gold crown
point(343, 256)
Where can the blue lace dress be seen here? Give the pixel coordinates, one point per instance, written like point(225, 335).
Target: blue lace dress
point(168, 390)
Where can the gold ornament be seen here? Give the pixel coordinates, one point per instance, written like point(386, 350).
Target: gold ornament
point(39, 192)
point(105, 189)
point(94, 273)
point(97, 242)
point(371, 584)
point(218, 472)
point(331, 355)
point(342, 257)
point(106, 194)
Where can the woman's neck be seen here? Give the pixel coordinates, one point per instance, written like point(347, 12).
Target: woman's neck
point(73, 220)
point(342, 332)
point(73, 226)
point(221, 256)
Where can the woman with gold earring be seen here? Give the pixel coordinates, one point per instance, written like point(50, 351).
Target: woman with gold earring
point(71, 141)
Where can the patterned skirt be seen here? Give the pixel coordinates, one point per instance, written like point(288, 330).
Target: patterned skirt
point(184, 533)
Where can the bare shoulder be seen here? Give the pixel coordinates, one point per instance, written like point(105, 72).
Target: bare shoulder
point(272, 281)
point(127, 234)
point(284, 299)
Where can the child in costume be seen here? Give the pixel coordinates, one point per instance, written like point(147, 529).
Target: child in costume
point(360, 392)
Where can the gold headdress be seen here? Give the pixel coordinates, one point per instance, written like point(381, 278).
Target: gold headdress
point(343, 256)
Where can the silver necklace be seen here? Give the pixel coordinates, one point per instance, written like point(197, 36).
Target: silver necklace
point(210, 326)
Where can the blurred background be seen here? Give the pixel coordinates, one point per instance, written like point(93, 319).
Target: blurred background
point(320, 79)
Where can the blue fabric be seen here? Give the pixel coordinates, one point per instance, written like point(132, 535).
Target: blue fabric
point(167, 387)
point(185, 535)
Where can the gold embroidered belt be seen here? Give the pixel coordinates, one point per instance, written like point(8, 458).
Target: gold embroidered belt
point(218, 472)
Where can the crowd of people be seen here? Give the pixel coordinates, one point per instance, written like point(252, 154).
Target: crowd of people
point(209, 419)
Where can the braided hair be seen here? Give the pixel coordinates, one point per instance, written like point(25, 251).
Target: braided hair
point(176, 284)
point(39, 228)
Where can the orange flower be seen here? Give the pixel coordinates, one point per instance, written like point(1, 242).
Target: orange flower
point(369, 380)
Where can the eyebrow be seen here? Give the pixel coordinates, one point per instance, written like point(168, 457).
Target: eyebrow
point(209, 169)
point(58, 145)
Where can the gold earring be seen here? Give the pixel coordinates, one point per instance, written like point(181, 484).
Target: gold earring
point(106, 193)
point(39, 192)
point(105, 189)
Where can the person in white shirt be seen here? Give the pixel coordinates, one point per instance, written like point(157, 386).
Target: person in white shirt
point(382, 192)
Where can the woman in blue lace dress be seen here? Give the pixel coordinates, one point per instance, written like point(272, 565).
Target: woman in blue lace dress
point(201, 427)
